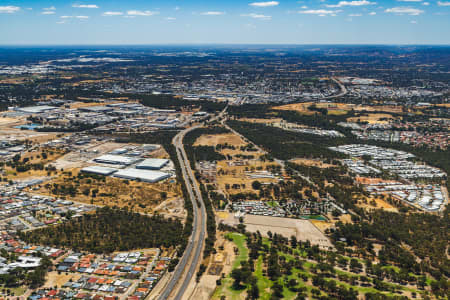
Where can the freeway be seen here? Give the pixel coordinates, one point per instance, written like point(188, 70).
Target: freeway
point(343, 91)
point(185, 269)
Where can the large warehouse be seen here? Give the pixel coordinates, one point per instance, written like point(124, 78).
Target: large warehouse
point(152, 164)
point(142, 175)
point(116, 159)
point(99, 170)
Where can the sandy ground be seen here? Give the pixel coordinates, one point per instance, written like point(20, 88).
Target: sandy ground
point(141, 196)
point(380, 203)
point(333, 108)
point(322, 225)
point(213, 140)
point(262, 121)
point(53, 279)
point(236, 175)
point(368, 180)
point(311, 162)
point(172, 208)
point(338, 108)
point(372, 118)
point(303, 229)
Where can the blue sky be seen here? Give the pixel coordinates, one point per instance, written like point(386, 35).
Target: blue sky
point(65, 22)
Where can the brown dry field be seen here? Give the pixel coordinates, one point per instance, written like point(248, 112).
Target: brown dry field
point(443, 105)
point(300, 107)
point(236, 175)
point(88, 104)
point(312, 162)
point(140, 196)
point(322, 225)
point(339, 108)
point(372, 118)
point(215, 139)
point(53, 279)
point(7, 121)
point(17, 80)
point(334, 108)
point(368, 180)
point(303, 229)
point(261, 121)
point(380, 204)
point(52, 155)
point(389, 108)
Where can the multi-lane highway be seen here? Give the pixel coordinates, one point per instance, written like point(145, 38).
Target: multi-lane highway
point(185, 270)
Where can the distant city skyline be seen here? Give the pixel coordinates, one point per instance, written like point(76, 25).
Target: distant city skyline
point(139, 22)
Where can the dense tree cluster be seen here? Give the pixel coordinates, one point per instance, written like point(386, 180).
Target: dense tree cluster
point(108, 230)
point(285, 144)
point(426, 237)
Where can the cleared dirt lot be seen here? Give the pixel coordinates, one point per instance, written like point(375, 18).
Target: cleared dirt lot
point(302, 229)
point(311, 163)
point(372, 118)
point(379, 203)
point(214, 139)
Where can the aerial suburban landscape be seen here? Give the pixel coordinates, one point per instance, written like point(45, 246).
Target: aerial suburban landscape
point(222, 171)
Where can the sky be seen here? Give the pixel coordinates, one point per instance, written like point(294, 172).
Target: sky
point(153, 22)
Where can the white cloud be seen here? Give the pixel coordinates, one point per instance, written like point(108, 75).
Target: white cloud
point(351, 3)
point(212, 13)
point(320, 12)
point(50, 8)
point(426, 3)
point(405, 11)
point(10, 9)
point(264, 4)
point(112, 13)
point(257, 16)
point(66, 17)
point(355, 15)
point(48, 12)
point(61, 22)
point(440, 3)
point(145, 13)
point(177, 8)
point(82, 17)
point(304, 7)
point(85, 6)
point(372, 13)
point(410, 0)
point(171, 19)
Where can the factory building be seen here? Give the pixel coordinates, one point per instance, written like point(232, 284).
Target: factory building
point(142, 175)
point(116, 160)
point(152, 164)
point(99, 170)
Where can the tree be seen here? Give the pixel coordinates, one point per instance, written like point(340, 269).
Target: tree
point(256, 185)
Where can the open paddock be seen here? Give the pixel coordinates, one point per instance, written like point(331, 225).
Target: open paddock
point(303, 230)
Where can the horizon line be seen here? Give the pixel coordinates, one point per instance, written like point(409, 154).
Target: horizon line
point(228, 44)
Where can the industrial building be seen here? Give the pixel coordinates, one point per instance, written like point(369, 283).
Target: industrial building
point(116, 160)
point(99, 170)
point(152, 164)
point(142, 175)
point(36, 109)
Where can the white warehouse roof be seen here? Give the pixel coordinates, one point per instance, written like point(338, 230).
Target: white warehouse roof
point(99, 170)
point(116, 159)
point(143, 175)
point(152, 163)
